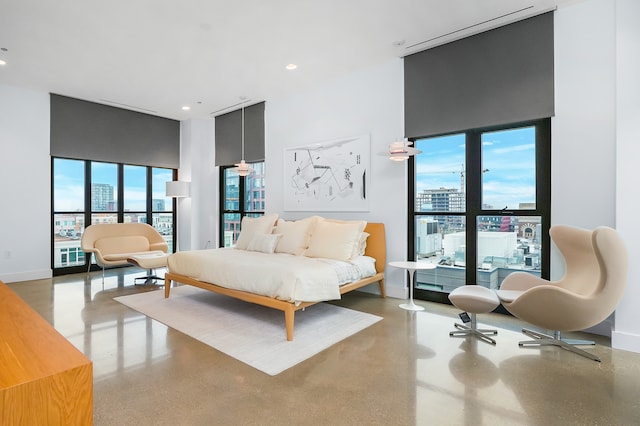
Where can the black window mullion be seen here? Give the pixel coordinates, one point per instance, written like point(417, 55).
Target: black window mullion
point(543, 192)
point(87, 192)
point(87, 204)
point(473, 190)
point(411, 208)
point(241, 197)
point(120, 204)
point(149, 207)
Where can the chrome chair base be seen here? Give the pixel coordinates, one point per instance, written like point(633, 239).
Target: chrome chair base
point(473, 330)
point(542, 339)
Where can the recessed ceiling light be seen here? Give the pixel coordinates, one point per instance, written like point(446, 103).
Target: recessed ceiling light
point(3, 62)
point(291, 67)
point(186, 108)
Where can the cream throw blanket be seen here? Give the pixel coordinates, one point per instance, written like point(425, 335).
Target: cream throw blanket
point(279, 275)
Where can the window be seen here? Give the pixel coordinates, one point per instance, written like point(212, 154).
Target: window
point(86, 192)
point(69, 207)
point(104, 192)
point(481, 206)
point(162, 207)
point(135, 194)
point(233, 206)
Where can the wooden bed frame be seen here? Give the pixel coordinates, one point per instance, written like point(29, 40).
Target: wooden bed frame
point(376, 248)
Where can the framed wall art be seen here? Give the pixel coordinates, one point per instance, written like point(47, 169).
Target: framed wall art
point(328, 176)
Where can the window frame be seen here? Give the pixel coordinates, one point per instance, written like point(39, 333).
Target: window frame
point(88, 212)
point(244, 207)
point(473, 200)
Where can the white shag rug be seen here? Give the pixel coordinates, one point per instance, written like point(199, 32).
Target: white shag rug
point(250, 333)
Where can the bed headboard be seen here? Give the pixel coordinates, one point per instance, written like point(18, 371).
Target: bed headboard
point(376, 244)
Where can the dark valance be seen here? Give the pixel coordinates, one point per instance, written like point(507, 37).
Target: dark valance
point(497, 77)
point(89, 131)
point(229, 136)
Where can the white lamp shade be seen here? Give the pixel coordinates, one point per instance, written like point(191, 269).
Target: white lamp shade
point(243, 169)
point(400, 151)
point(178, 188)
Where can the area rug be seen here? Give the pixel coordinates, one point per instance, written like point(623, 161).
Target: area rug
point(250, 333)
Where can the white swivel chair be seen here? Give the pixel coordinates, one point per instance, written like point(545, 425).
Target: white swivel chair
point(589, 291)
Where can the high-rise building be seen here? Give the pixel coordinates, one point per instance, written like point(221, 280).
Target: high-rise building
point(157, 204)
point(102, 197)
point(440, 200)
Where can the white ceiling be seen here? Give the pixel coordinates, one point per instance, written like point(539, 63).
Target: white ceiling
point(156, 56)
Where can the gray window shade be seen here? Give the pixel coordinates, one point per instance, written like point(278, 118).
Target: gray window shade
point(89, 131)
point(229, 136)
point(500, 76)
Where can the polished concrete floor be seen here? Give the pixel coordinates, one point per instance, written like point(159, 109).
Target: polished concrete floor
point(404, 370)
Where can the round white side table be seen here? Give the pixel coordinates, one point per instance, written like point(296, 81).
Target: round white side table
point(412, 267)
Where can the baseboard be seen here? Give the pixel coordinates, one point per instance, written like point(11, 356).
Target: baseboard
point(392, 291)
point(625, 341)
point(26, 276)
point(397, 292)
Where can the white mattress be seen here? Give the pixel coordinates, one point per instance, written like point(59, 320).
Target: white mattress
point(283, 276)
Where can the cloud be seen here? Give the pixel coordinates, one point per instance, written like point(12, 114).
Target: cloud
point(514, 148)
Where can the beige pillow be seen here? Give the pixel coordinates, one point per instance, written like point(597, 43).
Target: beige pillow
point(295, 235)
point(251, 226)
point(264, 243)
point(360, 223)
point(334, 240)
point(359, 245)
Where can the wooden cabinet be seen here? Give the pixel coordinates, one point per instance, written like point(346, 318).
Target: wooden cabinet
point(44, 379)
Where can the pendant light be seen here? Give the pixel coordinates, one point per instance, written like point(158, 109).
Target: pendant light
point(243, 168)
point(400, 150)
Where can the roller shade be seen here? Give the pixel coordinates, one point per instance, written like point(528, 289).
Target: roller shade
point(500, 76)
point(229, 136)
point(89, 131)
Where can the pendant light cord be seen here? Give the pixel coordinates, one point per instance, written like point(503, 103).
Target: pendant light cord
point(242, 159)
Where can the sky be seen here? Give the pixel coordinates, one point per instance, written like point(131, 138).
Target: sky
point(507, 156)
point(69, 184)
point(508, 161)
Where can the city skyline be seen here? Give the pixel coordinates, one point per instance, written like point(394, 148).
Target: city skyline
point(508, 161)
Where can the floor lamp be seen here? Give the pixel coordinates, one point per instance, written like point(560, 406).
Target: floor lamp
point(178, 189)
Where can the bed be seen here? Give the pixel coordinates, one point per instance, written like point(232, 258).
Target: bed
point(201, 268)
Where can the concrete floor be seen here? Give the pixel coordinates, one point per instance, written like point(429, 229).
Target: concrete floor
point(404, 370)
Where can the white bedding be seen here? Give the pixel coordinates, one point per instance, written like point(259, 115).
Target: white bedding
point(279, 275)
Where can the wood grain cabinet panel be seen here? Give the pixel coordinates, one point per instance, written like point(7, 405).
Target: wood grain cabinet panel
point(44, 379)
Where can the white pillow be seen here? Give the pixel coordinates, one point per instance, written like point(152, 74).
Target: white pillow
point(295, 235)
point(361, 246)
point(251, 226)
point(264, 243)
point(334, 240)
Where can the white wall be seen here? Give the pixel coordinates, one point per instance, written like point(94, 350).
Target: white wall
point(583, 156)
point(595, 143)
point(198, 215)
point(366, 102)
point(25, 180)
point(627, 328)
point(583, 129)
